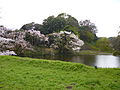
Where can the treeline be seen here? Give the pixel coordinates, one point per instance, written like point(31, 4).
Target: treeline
point(85, 30)
point(115, 42)
point(60, 34)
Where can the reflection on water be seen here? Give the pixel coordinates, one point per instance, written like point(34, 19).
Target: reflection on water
point(107, 61)
point(104, 61)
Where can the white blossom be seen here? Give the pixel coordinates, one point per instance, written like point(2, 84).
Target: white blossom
point(8, 53)
point(5, 39)
point(73, 43)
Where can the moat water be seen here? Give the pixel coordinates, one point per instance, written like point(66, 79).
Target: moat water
point(103, 61)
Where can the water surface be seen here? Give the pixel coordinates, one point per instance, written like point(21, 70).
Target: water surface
point(104, 61)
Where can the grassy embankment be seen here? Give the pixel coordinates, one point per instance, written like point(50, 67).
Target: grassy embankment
point(18, 73)
point(90, 52)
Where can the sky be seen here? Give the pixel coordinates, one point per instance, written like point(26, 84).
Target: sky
point(104, 13)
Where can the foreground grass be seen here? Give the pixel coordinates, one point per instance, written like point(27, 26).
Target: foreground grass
point(18, 73)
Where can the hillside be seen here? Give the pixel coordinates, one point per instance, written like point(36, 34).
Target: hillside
point(18, 73)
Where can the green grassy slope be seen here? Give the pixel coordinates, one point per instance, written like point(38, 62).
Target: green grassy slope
point(18, 73)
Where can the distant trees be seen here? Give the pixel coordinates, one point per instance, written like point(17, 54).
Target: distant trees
point(116, 43)
point(85, 30)
point(104, 44)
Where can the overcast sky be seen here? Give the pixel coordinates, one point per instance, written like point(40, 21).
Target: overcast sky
point(104, 13)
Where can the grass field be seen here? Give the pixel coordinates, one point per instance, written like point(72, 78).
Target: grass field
point(18, 73)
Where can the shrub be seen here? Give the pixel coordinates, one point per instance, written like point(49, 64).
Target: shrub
point(116, 53)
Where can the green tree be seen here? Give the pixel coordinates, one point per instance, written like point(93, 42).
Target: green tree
point(53, 24)
point(103, 44)
point(72, 29)
point(116, 43)
point(56, 24)
point(69, 19)
point(88, 25)
point(32, 25)
point(87, 36)
point(87, 31)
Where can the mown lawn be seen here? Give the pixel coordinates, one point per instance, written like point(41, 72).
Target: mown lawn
point(18, 73)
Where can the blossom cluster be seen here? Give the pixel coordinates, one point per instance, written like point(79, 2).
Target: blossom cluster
point(18, 42)
point(67, 40)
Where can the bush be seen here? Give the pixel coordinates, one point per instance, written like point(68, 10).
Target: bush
point(72, 29)
point(88, 46)
point(116, 53)
point(103, 44)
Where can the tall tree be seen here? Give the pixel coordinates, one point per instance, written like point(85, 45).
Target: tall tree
point(87, 31)
point(88, 25)
point(69, 19)
point(53, 24)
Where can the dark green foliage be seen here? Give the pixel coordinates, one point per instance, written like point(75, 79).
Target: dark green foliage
point(37, 27)
point(88, 25)
point(116, 53)
point(27, 26)
point(87, 31)
point(69, 19)
point(53, 24)
point(31, 26)
point(87, 36)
